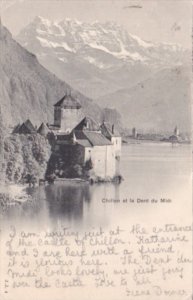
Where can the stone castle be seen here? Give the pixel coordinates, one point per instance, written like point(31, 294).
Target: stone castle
point(82, 143)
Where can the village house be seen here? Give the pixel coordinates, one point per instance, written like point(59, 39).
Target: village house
point(82, 143)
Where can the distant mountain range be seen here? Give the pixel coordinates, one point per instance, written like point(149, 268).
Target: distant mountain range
point(96, 58)
point(156, 104)
point(28, 90)
point(147, 83)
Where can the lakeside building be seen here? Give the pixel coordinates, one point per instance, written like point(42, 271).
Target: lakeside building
point(80, 141)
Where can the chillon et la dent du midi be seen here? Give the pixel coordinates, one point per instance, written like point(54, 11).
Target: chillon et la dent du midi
point(81, 148)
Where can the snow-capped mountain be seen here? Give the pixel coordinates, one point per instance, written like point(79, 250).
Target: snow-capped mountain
point(73, 36)
point(96, 58)
point(28, 90)
point(146, 82)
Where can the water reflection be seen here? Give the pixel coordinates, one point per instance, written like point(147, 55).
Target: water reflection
point(67, 200)
point(149, 171)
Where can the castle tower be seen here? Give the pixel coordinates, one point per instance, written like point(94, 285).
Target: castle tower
point(67, 113)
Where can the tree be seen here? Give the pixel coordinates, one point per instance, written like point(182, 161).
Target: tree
point(1, 147)
point(76, 171)
point(25, 154)
point(88, 164)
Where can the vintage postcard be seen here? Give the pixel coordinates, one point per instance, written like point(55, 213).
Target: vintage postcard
point(95, 150)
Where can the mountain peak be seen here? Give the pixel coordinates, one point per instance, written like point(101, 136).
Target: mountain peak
point(29, 90)
point(79, 52)
point(40, 19)
point(107, 35)
point(4, 33)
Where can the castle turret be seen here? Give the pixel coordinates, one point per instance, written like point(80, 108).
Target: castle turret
point(67, 113)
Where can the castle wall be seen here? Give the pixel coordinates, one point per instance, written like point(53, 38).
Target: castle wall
point(117, 143)
point(57, 116)
point(87, 154)
point(103, 159)
point(69, 119)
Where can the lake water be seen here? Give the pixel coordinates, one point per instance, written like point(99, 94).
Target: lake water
point(150, 170)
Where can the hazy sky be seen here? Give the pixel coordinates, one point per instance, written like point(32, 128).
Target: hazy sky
point(155, 20)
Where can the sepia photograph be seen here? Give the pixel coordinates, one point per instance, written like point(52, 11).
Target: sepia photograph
point(95, 149)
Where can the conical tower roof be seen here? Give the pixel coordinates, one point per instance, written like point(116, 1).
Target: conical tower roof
point(68, 102)
point(43, 129)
